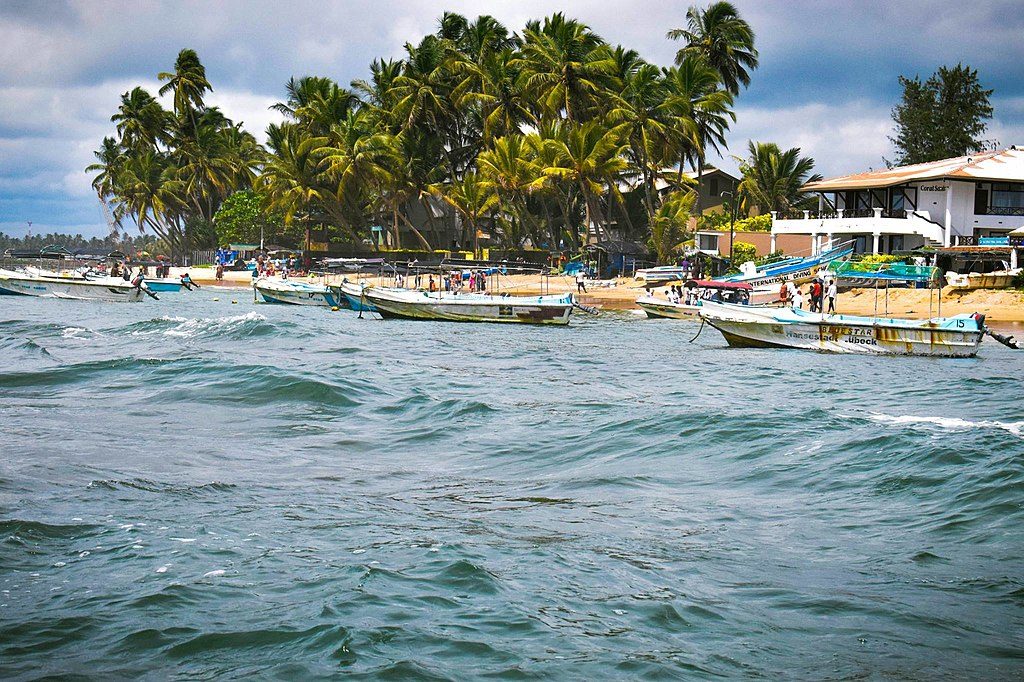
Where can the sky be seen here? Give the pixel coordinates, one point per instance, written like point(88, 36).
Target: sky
point(827, 80)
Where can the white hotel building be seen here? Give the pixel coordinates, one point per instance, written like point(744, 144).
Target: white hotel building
point(954, 202)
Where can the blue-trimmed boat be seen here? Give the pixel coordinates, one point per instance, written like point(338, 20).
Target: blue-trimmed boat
point(294, 292)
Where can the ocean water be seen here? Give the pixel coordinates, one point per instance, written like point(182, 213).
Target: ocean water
point(197, 489)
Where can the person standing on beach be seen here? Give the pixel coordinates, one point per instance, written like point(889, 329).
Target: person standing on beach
point(832, 290)
point(581, 284)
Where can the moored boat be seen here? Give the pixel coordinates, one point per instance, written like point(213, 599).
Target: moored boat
point(423, 305)
point(294, 292)
point(352, 293)
point(697, 292)
point(107, 289)
point(757, 327)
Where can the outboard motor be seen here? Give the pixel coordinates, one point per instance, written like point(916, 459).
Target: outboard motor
point(1001, 338)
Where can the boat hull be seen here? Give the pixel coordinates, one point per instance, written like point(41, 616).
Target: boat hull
point(839, 334)
point(297, 295)
point(162, 286)
point(71, 289)
point(470, 308)
point(663, 309)
point(352, 295)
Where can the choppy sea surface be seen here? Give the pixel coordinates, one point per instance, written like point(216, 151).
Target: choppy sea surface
point(196, 489)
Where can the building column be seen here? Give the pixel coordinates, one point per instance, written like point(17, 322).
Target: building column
point(772, 249)
point(874, 242)
point(1013, 257)
point(814, 243)
point(829, 237)
point(948, 222)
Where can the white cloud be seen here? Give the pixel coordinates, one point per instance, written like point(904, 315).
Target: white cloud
point(841, 138)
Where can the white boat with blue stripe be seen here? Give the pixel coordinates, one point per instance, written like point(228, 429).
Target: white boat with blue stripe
point(295, 292)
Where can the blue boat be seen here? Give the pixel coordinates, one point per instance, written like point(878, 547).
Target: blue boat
point(790, 269)
point(165, 284)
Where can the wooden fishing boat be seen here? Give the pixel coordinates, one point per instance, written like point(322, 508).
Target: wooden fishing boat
point(294, 292)
point(423, 305)
point(105, 289)
point(757, 327)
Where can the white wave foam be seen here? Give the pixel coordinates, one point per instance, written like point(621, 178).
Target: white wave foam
point(214, 574)
point(950, 423)
point(193, 327)
point(187, 327)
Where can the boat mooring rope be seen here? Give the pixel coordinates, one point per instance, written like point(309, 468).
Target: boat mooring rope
point(699, 330)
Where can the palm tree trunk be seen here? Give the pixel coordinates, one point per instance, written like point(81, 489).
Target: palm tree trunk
point(423, 242)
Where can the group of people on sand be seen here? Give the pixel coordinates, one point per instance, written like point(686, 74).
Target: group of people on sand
point(822, 291)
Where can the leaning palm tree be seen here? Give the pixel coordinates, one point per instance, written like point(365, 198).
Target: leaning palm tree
point(773, 179)
point(718, 34)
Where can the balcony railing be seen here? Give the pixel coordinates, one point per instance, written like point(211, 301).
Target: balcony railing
point(894, 213)
point(1004, 210)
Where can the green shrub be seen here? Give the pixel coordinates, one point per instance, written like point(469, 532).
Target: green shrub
point(758, 223)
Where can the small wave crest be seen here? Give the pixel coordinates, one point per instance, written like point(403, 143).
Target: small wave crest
point(244, 325)
point(950, 423)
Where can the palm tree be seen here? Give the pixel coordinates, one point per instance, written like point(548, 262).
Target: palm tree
point(773, 179)
point(589, 155)
point(647, 127)
point(565, 67)
point(290, 176)
point(317, 103)
point(110, 160)
point(668, 224)
point(726, 41)
point(700, 111)
point(141, 122)
point(188, 83)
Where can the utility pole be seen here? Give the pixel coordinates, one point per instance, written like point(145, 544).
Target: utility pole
point(732, 223)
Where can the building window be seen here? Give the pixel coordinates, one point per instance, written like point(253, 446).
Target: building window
point(707, 242)
point(713, 187)
point(1007, 199)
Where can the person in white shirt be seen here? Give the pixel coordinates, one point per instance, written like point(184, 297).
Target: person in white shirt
point(830, 293)
point(798, 298)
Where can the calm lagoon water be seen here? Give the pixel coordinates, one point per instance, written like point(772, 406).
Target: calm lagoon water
point(191, 488)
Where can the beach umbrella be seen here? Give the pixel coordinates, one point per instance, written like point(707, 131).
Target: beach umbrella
point(1019, 232)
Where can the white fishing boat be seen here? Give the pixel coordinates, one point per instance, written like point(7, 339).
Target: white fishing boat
point(106, 289)
point(757, 327)
point(296, 292)
point(697, 291)
point(352, 294)
point(423, 305)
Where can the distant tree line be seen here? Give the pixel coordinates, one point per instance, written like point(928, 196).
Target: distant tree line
point(77, 243)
